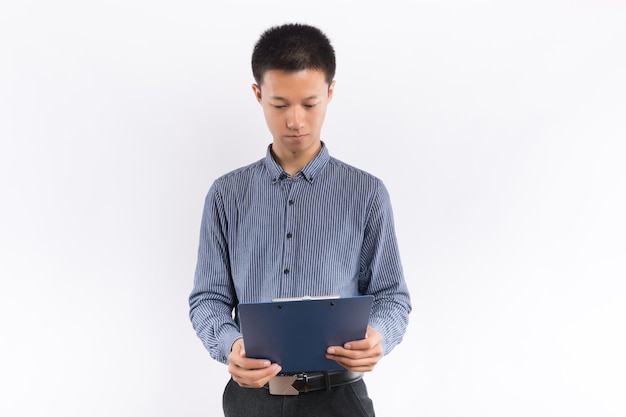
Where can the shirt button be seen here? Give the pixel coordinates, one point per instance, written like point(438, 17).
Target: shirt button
point(289, 235)
point(291, 202)
point(286, 271)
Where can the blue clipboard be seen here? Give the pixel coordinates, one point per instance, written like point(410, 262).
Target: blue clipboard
point(296, 333)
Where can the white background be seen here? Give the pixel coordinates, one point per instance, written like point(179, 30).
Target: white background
point(498, 128)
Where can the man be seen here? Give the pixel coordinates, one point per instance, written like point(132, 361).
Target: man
point(297, 223)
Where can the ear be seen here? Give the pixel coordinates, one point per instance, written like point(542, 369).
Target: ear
point(257, 92)
point(331, 90)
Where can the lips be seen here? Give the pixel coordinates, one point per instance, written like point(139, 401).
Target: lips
point(297, 137)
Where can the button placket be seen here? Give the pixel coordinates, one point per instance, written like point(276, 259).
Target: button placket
point(289, 225)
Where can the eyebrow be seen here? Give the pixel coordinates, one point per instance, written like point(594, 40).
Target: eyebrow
point(284, 99)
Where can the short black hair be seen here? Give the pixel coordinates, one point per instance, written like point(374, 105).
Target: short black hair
point(293, 47)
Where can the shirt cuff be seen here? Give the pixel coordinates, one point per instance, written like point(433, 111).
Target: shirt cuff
point(227, 343)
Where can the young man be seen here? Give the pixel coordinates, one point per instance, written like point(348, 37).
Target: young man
point(297, 223)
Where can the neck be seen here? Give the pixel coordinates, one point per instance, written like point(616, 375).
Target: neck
point(292, 162)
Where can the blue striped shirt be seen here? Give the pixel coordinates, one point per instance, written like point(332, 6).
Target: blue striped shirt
point(264, 235)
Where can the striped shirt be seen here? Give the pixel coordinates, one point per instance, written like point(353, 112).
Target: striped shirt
point(264, 235)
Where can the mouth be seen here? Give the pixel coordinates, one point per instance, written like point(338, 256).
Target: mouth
point(296, 137)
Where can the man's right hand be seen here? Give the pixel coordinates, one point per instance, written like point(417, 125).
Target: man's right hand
point(247, 372)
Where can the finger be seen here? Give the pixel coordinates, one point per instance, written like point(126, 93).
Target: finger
point(356, 364)
point(363, 344)
point(255, 378)
point(356, 367)
point(353, 352)
point(254, 364)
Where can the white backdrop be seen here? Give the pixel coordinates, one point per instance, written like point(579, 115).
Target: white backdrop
point(497, 126)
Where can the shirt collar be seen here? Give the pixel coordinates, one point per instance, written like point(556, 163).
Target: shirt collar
point(309, 172)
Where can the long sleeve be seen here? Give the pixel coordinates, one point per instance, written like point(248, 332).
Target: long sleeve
point(382, 274)
point(213, 297)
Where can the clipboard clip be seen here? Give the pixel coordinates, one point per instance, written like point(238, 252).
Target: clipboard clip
point(306, 297)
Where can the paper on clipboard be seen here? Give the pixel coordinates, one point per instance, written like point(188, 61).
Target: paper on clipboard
point(296, 332)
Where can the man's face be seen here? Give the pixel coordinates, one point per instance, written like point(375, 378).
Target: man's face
point(294, 105)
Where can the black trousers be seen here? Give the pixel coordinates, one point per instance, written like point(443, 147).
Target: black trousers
point(349, 400)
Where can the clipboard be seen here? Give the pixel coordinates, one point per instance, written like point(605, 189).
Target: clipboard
point(296, 332)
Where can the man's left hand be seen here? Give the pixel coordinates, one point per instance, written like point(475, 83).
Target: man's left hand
point(359, 355)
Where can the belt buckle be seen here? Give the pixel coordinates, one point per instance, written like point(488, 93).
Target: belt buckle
point(283, 384)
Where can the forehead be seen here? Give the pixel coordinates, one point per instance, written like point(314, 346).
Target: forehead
point(294, 85)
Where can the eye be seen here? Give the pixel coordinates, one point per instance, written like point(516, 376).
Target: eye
point(310, 106)
point(279, 106)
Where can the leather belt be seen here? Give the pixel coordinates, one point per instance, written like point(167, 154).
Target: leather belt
point(294, 384)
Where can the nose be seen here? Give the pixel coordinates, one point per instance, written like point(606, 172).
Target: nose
point(295, 118)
